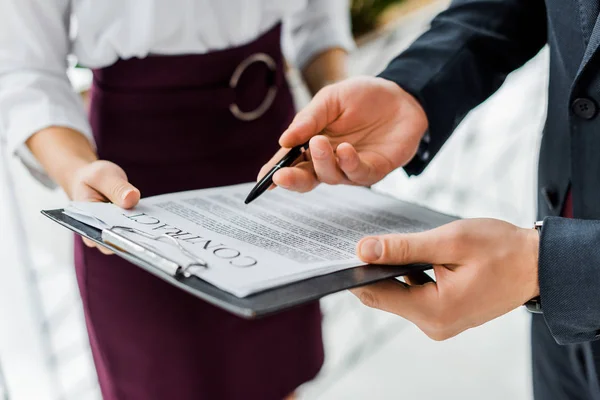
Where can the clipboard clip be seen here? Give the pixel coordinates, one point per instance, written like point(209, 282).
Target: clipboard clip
point(151, 256)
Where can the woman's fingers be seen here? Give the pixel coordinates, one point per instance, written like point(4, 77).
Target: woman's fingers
point(101, 181)
point(110, 180)
point(102, 249)
point(118, 190)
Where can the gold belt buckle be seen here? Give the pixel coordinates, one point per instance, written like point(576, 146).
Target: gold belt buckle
point(271, 93)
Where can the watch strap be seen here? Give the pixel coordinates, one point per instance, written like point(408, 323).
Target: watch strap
point(535, 305)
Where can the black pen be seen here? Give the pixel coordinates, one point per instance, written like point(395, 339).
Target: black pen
point(267, 180)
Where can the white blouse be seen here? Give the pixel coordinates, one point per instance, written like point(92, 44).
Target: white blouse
point(37, 36)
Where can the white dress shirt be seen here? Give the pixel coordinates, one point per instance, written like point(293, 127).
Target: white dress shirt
point(37, 36)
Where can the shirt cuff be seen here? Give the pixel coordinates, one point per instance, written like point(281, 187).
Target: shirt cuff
point(31, 101)
point(21, 129)
point(17, 146)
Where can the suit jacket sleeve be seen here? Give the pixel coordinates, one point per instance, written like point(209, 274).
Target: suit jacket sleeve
point(569, 277)
point(463, 58)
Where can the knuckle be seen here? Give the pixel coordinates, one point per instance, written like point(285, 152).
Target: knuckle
point(438, 336)
point(100, 167)
point(307, 186)
point(368, 298)
point(352, 172)
point(458, 236)
point(93, 172)
point(459, 231)
point(397, 249)
point(120, 188)
point(330, 180)
point(87, 174)
point(439, 325)
point(324, 93)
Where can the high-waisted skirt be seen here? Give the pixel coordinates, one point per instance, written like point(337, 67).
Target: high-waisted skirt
point(168, 122)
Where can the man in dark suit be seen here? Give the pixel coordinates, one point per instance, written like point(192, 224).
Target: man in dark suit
point(483, 268)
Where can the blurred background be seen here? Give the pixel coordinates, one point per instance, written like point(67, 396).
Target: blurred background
point(486, 169)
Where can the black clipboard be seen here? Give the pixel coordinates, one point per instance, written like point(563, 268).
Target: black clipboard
point(260, 304)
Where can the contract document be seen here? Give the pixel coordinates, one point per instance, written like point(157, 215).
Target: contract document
point(280, 238)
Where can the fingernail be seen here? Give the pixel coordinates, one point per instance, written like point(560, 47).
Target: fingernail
point(370, 250)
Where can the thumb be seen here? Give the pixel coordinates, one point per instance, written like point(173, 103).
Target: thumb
point(124, 194)
point(322, 110)
point(401, 249)
point(111, 181)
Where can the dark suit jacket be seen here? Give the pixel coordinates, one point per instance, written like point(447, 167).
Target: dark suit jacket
point(462, 60)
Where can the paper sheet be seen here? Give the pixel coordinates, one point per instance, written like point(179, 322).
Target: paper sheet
point(280, 238)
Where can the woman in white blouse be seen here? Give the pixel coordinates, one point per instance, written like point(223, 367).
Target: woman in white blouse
point(181, 88)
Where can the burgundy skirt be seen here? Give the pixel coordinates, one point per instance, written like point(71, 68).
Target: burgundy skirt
point(167, 121)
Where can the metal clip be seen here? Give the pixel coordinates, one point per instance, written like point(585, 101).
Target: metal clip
point(166, 265)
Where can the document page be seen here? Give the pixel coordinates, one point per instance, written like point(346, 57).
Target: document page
point(281, 237)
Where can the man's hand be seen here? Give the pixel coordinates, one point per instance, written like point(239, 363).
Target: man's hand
point(360, 130)
point(484, 268)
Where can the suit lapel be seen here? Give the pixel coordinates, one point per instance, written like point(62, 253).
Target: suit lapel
point(593, 41)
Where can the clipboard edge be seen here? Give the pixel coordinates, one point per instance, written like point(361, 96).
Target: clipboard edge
point(244, 312)
point(242, 306)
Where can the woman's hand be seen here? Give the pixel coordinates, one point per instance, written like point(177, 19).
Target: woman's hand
point(103, 181)
point(69, 159)
point(359, 129)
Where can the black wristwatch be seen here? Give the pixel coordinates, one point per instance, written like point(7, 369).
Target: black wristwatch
point(535, 305)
